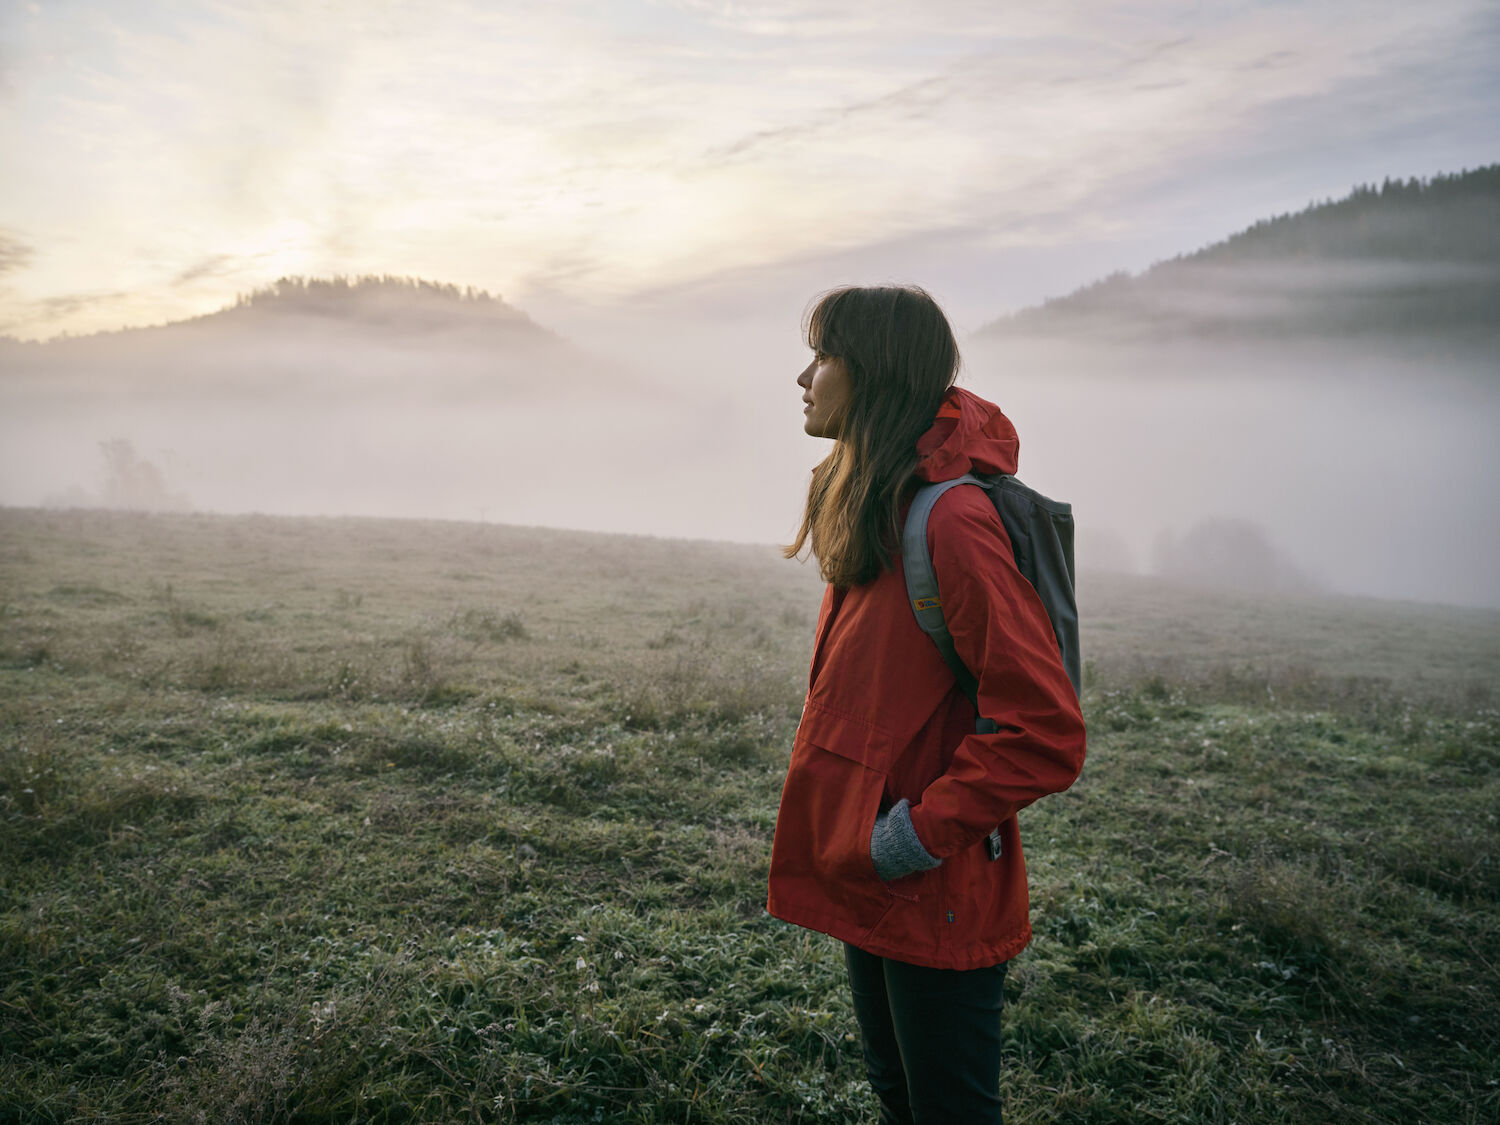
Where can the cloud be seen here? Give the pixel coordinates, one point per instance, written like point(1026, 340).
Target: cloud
point(915, 100)
point(67, 304)
point(1272, 60)
point(216, 265)
point(14, 254)
point(7, 68)
point(639, 146)
point(48, 315)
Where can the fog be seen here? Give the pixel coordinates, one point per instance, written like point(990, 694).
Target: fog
point(1367, 474)
point(1347, 467)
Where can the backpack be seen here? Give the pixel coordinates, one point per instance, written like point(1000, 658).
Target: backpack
point(1041, 537)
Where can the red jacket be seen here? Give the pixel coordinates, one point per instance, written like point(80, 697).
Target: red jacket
point(884, 719)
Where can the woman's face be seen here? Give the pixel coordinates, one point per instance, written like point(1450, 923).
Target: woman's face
point(826, 390)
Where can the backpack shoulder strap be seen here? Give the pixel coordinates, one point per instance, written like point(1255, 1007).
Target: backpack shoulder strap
point(922, 591)
point(921, 582)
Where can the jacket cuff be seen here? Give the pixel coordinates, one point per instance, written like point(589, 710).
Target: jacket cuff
point(895, 848)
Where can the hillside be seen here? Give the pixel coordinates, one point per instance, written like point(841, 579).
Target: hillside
point(429, 821)
point(385, 308)
point(393, 301)
point(321, 336)
point(382, 305)
point(645, 602)
point(1415, 258)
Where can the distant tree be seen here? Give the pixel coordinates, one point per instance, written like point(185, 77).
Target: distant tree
point(133, 483)
point(1231, 554)
point(1104, 549)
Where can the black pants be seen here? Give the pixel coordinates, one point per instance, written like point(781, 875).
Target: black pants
point(931, 1037)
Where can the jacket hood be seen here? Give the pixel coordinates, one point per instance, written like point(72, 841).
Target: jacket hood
point(969, 434)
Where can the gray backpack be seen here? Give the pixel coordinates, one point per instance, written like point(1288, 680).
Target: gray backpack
point(1041, 538)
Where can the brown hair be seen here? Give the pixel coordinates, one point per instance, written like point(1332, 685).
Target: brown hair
point(901, 357)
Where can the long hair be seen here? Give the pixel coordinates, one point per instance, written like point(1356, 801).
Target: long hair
point(901, 357)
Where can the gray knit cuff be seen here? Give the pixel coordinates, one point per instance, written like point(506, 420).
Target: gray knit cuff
point(895, 848)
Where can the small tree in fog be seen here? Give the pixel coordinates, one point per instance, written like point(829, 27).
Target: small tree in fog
point(1229, 554)
point(134, 483)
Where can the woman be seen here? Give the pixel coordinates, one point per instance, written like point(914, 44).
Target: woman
point(891, 794)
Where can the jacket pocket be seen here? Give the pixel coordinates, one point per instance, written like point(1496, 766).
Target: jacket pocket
point(833, 791)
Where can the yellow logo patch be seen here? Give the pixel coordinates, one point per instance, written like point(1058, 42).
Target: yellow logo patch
point(927, 603)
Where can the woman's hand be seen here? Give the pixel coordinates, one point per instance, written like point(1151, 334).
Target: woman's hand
point(895, 848)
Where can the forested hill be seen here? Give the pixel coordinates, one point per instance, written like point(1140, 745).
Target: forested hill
point(392, 302)
point(373, 308)
point(1414, 258)
point(333, 335)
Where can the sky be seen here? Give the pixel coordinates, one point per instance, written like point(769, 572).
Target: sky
point(593, 163)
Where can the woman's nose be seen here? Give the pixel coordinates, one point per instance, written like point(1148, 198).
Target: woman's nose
point(805, 379)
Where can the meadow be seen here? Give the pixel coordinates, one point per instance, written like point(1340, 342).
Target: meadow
point(381, 821)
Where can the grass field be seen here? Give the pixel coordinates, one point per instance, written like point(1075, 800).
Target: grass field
point(355, 820)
